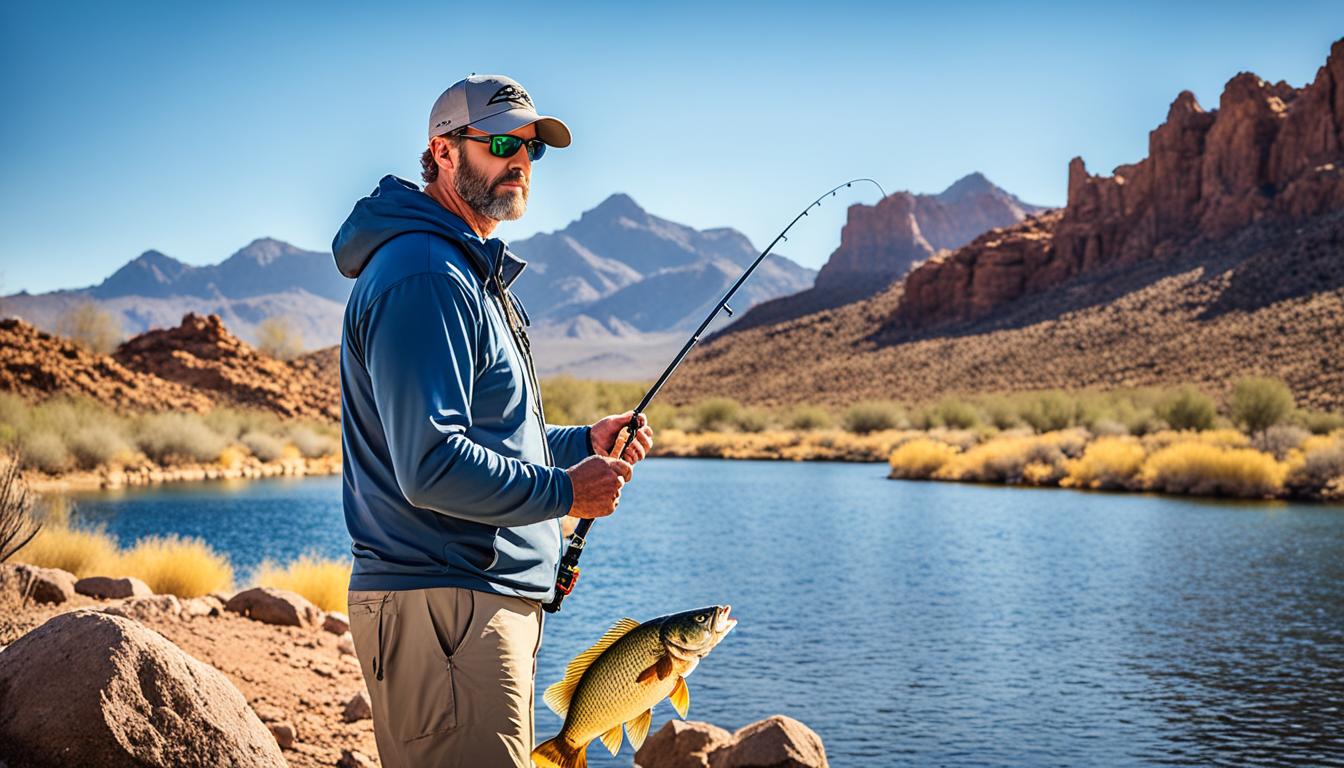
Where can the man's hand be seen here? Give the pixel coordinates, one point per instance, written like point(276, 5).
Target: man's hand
point(608, 436)
point(597, 484)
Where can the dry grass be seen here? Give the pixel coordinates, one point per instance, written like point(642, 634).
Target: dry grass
point(185, 567)
point(920, 458)
point(1209, 470)
point(1107, 463)
point(324, 582)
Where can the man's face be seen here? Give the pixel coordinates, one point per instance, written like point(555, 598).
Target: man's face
point(496, 187)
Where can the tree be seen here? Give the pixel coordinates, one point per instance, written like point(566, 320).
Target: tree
point(91, 327)
point(1187, 408)
point(1259, 403)
point(277, 337)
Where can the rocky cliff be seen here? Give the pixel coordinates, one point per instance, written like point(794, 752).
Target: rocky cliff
point(1269, 153)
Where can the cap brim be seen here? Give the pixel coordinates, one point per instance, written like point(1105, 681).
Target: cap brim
point(549, 129)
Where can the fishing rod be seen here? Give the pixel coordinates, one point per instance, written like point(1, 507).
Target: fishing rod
point(568, 574)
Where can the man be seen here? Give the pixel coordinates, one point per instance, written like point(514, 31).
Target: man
point(454, 486)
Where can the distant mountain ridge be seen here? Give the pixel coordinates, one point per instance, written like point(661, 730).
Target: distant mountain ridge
point(880, 243)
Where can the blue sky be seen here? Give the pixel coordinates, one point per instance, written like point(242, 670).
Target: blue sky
point(194, 128)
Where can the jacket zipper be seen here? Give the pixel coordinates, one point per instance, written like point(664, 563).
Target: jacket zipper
point(524, 348)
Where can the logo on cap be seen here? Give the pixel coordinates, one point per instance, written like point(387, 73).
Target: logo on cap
point(512, 94)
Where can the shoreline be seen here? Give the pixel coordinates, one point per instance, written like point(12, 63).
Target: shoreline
point(147, 474)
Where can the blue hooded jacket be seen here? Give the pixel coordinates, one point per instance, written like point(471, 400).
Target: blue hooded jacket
point(451, 476)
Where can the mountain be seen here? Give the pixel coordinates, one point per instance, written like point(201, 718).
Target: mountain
point(266, 278)
point(618, 262)
point(880, 243)
point(1218, 255)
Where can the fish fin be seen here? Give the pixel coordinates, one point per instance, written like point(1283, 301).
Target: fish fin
point(661, 669)
point(553, 753)
point(680, 697)
point(612, 739)
point(638, 729)
point(558, 696)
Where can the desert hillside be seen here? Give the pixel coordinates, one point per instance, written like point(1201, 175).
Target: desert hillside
point(1220, 254)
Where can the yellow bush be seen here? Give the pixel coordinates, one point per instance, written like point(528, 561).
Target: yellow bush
point(1003, 459)
point(83, 552)
point(185, 567)
point(322, 581)
point(1109, 462)
point(1200, 468)
point(232, 457)
point(920, 458)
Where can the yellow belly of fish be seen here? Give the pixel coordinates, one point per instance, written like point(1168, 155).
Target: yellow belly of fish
point(609, 695)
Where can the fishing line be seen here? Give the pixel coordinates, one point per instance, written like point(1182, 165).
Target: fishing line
point(568, 574)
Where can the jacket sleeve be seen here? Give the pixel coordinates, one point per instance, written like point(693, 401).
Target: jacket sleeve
point(420, 349)
point(569, 445)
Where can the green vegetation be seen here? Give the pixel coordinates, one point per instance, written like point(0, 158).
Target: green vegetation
point(279, 338)
point(95, 329)
point(1260, 403)
point(65, 434)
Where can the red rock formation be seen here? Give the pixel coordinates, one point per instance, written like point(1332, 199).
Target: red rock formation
point(202, 354)
point(37, 365)
point(1269, 153)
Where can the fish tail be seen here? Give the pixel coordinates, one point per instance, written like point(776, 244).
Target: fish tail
point(554, 753)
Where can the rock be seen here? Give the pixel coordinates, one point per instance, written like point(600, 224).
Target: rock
point(1269, 153)
point(275, 606)
point(358, 708)
point(346, 645)
point(336, 623)
point(268, 713)
point(352, 759)
point(105, 587)
point(284, 733)
point(682, 744)
point(41, 585)
point(775, 742)
point(207, 605)
point(148, 608)
point(90, 688)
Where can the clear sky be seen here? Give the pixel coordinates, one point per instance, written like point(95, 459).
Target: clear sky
point(194, 128)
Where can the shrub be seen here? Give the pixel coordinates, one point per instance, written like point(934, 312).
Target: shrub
point(1000, 411)
point(569, 400)
point(94, 328)
point(81, 551)
point(808, 418)
point(1108, 462)
point(311, 443)
point(1001, 460)
point(1188, 408)
point(322, 581)
point(96, 445)
point(752, 420)
point(1280, 439)
point(920, 458)
point(263, 446)
point(278, 337)
point(1108, 428)
point(1319, 467)
point(45, 451)
point(233, 423)
point(1321, 422)
point(872, 416)
point(1048, 411)
point(17, 526)
point(186, 567)
point(169, 438)
point(1259, 403)
point(955, 413)
point(1204, 469)
point(715, 414)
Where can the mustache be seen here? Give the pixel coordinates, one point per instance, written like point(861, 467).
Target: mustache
point(512, 175)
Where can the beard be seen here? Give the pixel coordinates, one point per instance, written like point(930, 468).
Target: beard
point(480, 193)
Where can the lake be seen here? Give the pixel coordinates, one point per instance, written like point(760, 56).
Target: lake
point(922, 623)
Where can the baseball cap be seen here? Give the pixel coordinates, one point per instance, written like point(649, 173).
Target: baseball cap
point(494, 104)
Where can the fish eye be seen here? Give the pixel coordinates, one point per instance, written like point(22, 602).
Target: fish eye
point(700, 619)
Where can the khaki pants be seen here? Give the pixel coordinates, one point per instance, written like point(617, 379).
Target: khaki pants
point(450, 675)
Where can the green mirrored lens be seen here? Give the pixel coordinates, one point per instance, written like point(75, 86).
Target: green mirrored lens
point(504, 145)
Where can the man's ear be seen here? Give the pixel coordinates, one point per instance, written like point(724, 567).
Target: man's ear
point(443, 153)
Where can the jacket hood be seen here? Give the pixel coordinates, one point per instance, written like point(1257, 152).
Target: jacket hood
point(398, 206)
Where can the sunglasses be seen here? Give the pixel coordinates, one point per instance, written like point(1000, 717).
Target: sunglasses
point(507, 145)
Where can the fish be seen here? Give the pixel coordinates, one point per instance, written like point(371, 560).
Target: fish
point(620, 679)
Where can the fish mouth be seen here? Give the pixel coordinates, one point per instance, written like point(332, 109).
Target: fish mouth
point(722, 621)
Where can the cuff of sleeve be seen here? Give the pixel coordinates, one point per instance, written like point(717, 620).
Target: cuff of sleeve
point(566, 487)
point(588, 441)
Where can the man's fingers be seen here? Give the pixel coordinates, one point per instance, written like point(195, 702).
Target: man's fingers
point(622, 469)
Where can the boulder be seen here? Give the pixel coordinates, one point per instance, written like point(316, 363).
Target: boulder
point(108, 588)
point(208, 605)
point(275, 606)
point(353, 759)
point(41, 585)
point(284, 732)
point(148, 608)
point(346, 644)
point(91, 688)
point(775, 742)
point(682, 744)
point(336, 623)
point(358, 708)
